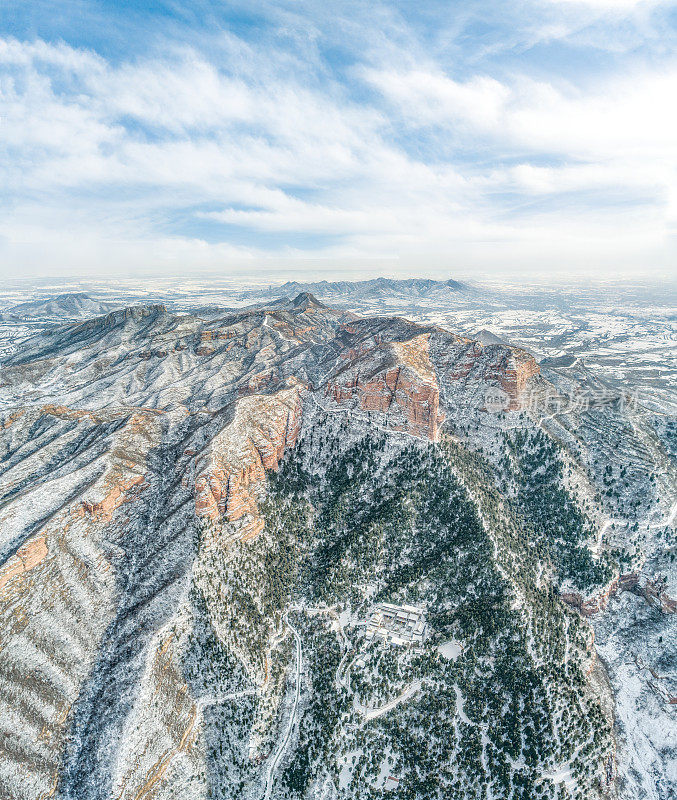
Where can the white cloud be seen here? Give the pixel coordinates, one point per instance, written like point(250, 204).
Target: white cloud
point(430, 97)
point(618, 137)
point(631, 114)
point(103, 158)
point(60, 55)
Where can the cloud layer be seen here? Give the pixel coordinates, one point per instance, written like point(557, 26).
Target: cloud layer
point(544, 141)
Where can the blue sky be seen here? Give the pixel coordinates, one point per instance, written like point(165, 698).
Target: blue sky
point(534, 138)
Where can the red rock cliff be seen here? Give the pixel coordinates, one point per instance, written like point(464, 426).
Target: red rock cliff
point(263, 427)
point(485, 367)
point(395, 379)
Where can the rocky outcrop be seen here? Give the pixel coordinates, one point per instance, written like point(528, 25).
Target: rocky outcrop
point(133, 313)
point(480, 369)
point(653, 590)
point(520, 367)
point(590, 605)
point(217, 335)
point(113, 498)
point(598, 602)
point(237, 459)
point(655, 593)
point(413, 406)
point(393, 378)
point(403, 371)
point(12, 417)
point(26, 557)
point(208, 340)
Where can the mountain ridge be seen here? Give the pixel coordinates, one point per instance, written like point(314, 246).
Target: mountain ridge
point(72, 305)
point(369, 289)
point(184, 496)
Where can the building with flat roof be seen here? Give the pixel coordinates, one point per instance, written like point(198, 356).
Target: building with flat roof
point(399, 625)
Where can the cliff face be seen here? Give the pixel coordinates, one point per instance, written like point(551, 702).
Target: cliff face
point(400, 370)
point(411, 404)
point(652, 588)
point(470, 371)
point(234, 467)
point(520, 367)
point(395, 379)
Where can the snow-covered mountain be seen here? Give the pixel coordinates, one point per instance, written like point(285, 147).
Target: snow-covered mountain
point(377, 288)
point(485, 336)
point(74, 305)
point(222, 535)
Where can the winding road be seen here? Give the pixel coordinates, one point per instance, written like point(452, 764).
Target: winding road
point(270, 777)
point(373, 713)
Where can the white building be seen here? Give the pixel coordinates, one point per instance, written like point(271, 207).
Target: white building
point(401, 625)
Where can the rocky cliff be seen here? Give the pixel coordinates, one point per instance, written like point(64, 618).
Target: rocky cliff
point(233, 468)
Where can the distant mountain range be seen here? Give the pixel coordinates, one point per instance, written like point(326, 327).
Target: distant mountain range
point(413, 288)
point(74, 305)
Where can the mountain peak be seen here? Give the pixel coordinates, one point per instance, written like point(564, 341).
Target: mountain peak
point(305, 300)
point(487, 337)
point(135, 313)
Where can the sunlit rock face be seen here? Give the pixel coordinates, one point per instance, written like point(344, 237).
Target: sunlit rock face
point(394, 379)
point(148, 571)
point(235, 464)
